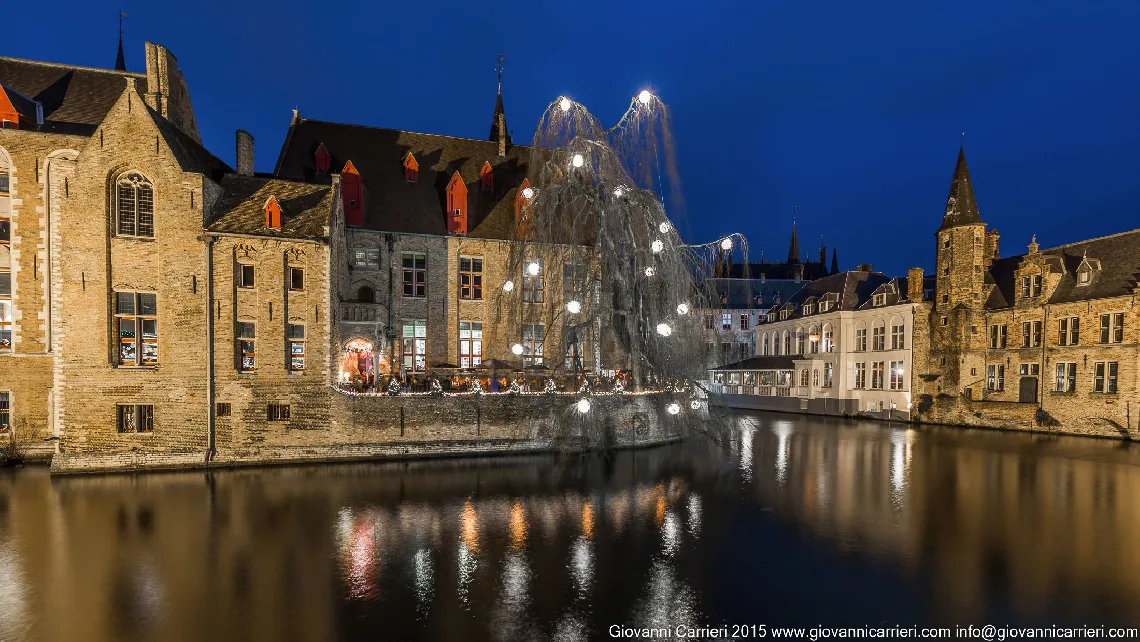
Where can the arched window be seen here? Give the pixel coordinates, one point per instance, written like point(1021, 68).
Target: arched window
point(815, 377)
point(813, 339)
point(787, 343)
point(134, 206)
point(828, 340)
point(765, 344)
point(803, 377)
point(879, 336)
point(801, 341)
point(366, 294)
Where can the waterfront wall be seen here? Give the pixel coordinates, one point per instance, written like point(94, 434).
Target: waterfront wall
point(367, 427)
point(1097, 417)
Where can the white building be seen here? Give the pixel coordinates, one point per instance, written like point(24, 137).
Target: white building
point(840, 345)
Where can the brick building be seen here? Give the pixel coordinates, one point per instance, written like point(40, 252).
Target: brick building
point(1045, 339)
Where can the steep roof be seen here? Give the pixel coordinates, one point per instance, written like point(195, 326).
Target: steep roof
point(393, 204)
point(1119, 273)
point(74, 99)
point(305, 208)
point(191, 155)
point(961, 206)
point(743, 293)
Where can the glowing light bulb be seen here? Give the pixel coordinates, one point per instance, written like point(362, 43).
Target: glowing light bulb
point(673, 408)
point(517, 348)
point(726, 244)
point(657, 246)
point(695, 405)
point(649, 271)
point(583, 406)
point(508, 286)
point(578, 160)
point(618, 192)
point(564, 103)
point(573, 307)
point(664, 227)
point(664, 330)
point(528, 192)
point(533, 268)
point(644, 97)
point(682, 308)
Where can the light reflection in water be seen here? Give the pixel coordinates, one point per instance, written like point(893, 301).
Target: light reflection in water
point(362, 558)
point(900, 463)
point(694, 506)
point(783, 432)
point(670, 534)
point(425, 581)
point(747, 430)
point(587, 520)
point(518, 526)
point(582, 566)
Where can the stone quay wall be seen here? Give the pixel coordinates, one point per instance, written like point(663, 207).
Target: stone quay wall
point(367, 427)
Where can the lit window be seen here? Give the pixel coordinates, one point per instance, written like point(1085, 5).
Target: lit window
point(995, 377)
point(134, 206)
point(898, 337)
point(470, 344)
point(277, 412)
point(877, 372)
point(896, 375)
point(136, 322)
point(471, 278)
point(534, 336)
point(1066, 377)
point(367, 257)
point(415, 345)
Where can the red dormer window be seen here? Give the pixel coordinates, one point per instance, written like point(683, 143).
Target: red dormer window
point(322, 159)
point(411, 169)
point(456, 205)
point(272, 214)
point(487, 177)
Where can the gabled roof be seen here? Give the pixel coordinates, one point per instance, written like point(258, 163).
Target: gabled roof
point(743, 293)
point(1119, 273)
point(74, 99)
point(393, 204)
point(306, 208)
point(961, 206)
point(191, 155)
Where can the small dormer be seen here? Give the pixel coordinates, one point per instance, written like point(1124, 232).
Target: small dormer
point(787, 311)
point(322, 159)
point(456, 205)
point(272, 213)
point(352, 195)
point(879, 299)
point(411, 169)
point(487, 177)
point(1087, 270)
point(809, 305)
point(827, 302)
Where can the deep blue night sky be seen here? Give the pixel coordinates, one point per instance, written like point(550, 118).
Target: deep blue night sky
point(852, 111)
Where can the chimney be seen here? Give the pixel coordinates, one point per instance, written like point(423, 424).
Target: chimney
point(863, 267)
point(244, 153)
point(914, 284)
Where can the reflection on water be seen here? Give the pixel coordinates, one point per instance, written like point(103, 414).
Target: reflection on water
point(788, 520)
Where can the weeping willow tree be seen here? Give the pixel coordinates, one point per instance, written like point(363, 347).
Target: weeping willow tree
point(597, 258)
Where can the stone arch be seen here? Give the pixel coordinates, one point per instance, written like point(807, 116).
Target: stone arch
point(366, 294)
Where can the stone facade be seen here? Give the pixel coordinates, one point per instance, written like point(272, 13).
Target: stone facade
point(1046, 340)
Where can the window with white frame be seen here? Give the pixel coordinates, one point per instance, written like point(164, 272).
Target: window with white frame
point(414, 343)
point(764, 345)
point(815, 377)
point(296, 341)
point(470, 344)
point(804, 377)
point(813, 340)
point(246, 274)
point(1066, 377)
point(828, 340)
point(879, 299)
point(1031, 285)
point(877, 372)
point(896, 375)
point(860, 339)
point(1030, 334)
point(247, 346)
point(801, 341)
point(860, 376)
point(1030, 369)
point(1069, 331)
point(879, 337)
point(136, 326)
point(534, 337)
point(296, 279)
point(787, 343)
point(726, 321)
point(744, 321)
point(1104, 376)
point(134, 206)
point(827, 374)
point(998, 335)
point(367, 258)
point(898, 336)
point(1112, 327)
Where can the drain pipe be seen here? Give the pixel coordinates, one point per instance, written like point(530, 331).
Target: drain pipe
point(211, 451)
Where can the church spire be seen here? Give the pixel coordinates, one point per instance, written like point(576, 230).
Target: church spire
point(834, 262)
point(961, 207)
point(499, 118)
point(120, 59)
point(822, 252)
point(794, 249)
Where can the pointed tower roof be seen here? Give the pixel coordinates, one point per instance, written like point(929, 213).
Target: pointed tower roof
point(794, 248)
point(499, 112)
point(834, 262)
point(120, 59)
point(961, 207)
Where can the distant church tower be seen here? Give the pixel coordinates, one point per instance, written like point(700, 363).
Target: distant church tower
point(964, 249)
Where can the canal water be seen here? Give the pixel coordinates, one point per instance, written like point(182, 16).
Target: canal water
point(787, 521)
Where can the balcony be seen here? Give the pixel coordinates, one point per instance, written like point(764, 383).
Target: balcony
point(360, 312)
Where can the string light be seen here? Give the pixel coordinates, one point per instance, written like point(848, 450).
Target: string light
point(517, 348)
point(657, 246)
point(682, 308)
point(528, 192)
point(695, 405)
point(578, 160)
point(564, 103)
point(664, 330)
point(583, 406)
point(644, 96)
point(726, 244)
point(573, 307)
point(664, 227)
point(649, 271)
point(508, 286)
point(533, 268)
point(673, 408)
point(618, 192)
